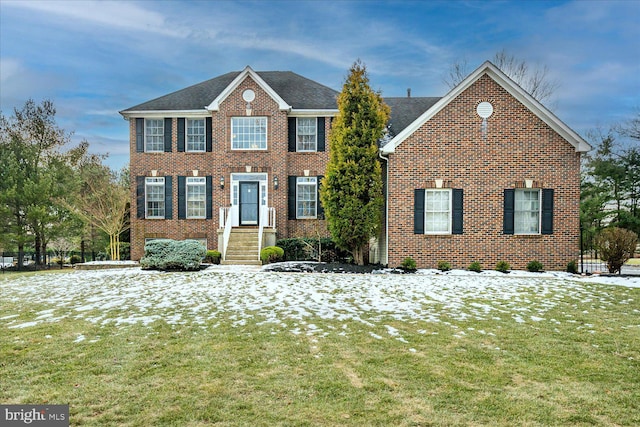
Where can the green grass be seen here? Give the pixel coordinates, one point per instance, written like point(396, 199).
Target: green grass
point(582, 370)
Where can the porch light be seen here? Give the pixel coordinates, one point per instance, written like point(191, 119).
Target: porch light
point(276, 184)
point(222, 182)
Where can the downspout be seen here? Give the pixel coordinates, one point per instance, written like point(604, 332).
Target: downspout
point(386, 213)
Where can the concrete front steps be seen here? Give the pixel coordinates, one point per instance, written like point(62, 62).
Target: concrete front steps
point(242, 248)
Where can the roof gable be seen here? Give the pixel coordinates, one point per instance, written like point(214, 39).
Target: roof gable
point(290, 90)
point(247, 72)
point(512, 88)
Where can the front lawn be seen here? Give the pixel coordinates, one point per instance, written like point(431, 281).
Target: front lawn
point(239, 348)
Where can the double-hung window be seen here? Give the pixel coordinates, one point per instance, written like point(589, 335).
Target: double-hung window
point(154, 135)
point(306, 197)
point(154, 198)
point(195, 135)
point(249, 133)
point(437, 211)
point(527, 212)
point(306, 134)
point(196, 197)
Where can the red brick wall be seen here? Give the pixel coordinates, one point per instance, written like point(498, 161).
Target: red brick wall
point(275, 161)
point(451, 147)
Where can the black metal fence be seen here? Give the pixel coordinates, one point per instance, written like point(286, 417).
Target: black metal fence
point(9, 260)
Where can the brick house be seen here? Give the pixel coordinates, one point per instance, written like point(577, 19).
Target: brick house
point(482, 174)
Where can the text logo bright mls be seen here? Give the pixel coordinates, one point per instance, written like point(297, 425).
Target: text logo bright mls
point(35, 415)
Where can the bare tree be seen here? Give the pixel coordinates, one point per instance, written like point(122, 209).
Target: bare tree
point(535, 81)
point(104, 202)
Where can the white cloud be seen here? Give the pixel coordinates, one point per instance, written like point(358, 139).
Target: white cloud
point(115, 14)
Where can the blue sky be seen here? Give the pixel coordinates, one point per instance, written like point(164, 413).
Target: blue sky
point(94, 59)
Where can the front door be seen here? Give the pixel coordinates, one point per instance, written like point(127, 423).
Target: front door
point(249, 202)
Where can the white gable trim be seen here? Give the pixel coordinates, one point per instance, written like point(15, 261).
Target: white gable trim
point(248, 71)
point(510, 86)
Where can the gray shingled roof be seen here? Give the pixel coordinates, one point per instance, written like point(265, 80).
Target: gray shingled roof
point(405, 110)
point(297, 91)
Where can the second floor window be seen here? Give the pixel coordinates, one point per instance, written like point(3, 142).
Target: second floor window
point(195, 135)
point(154, 135)
point(306, 134)
point(249, 133)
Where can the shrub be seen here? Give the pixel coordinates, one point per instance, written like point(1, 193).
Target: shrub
point(572, 267)
point(306, 249)
point(503, 266)
point(167, 254)
point(75, 259)
point(408, 264)
point(271, 254)
point(534, 266)
point(444, 266)
point(213, 257)
point(616, 246)
point(475, 266)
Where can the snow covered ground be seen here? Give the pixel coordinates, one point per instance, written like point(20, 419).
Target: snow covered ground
point(290, 301)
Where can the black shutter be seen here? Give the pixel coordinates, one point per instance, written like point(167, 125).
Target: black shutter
point(140, 196)
point(509, 208)
point(182, 197)
point(292, 134)
point(167, 135)
point(321, 136)
point(456, 227)
point(320, 209)
point(291, 197)
point(181, 135)
point(547, 211)
point(418, 211)
point(168, 199)
point(140, 135)
point(209, 137)
point(209, 198)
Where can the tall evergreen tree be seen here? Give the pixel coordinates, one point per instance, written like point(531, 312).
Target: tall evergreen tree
point(351, 191)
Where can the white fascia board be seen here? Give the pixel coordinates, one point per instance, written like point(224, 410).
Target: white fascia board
point(248, 71)
point(164, 113)
point(312, 113)
point(510, 86)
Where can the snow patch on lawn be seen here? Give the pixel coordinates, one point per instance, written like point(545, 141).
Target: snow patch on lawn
point(288, 301)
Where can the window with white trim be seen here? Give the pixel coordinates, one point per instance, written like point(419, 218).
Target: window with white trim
point(154, 197)
point(249, 133)
point(195, 135)
point(306, 197)
point(437, 211)
point(526, 218)
point(153, 134)
point(196, 197)
point(306, 134)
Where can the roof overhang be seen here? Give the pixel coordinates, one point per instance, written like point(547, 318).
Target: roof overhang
point(247, 72)
point(313, 113)
point(510, 86)
point(164, 113)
